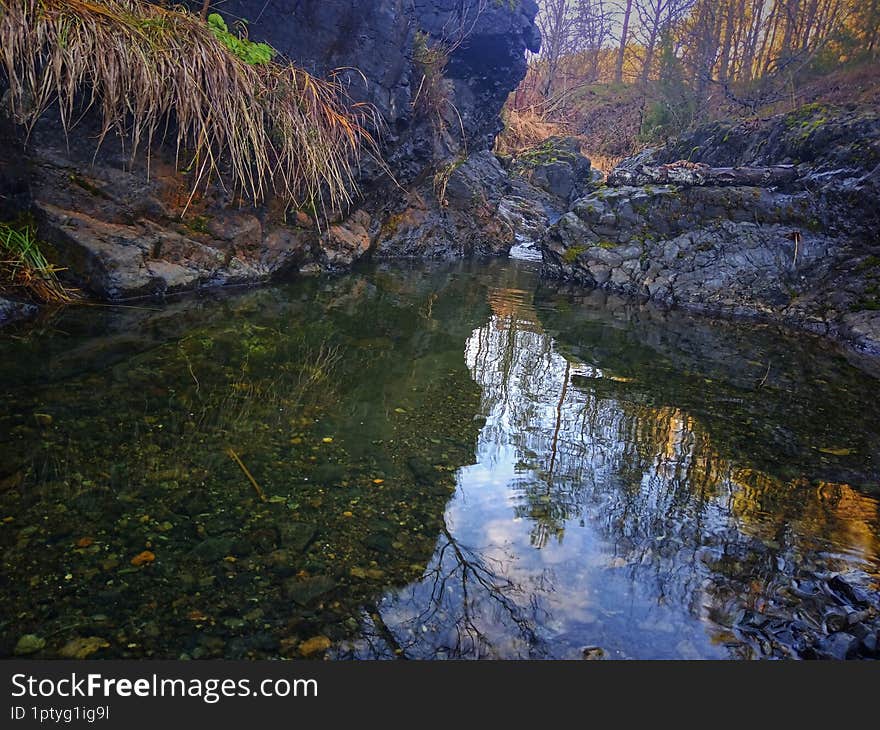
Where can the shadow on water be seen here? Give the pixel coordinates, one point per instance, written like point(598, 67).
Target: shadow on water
point(456, 462)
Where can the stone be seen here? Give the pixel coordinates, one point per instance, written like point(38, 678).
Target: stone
point(296, 536)
point(83, 647)
point(213, 549)
point(347, 242)
point(557, 167)
point(12, 310)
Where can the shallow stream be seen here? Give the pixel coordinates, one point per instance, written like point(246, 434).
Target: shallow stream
point(432, 462)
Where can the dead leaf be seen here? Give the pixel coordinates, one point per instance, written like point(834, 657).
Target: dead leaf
point(836, 452)
point(143, 558)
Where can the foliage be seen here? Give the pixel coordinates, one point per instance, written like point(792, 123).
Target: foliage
point(683, 62)
point(25, 269)
point(248, 51)
point(147, 69)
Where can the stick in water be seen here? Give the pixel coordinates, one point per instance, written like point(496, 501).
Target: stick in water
point(250, 476)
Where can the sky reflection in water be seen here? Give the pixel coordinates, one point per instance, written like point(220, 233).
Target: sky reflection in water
point(592, 525)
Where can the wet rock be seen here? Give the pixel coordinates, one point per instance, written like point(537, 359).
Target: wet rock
point(870, 646)
point(330, 473)
point(12, 310)
point(263, 641)
point(195, 504)
point(305, 591)
point(82, 648)
point(315, 645)
point(263, 539)
point(381, 542)
point(849, 592)
point(838, 646)
point(836, 619)
point(422, 470)
point(346, 242)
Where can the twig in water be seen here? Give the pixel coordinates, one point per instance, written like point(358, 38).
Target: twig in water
point(260, 493)
point(764, 379)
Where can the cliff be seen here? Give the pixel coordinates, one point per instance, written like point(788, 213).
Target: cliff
point(437, 73)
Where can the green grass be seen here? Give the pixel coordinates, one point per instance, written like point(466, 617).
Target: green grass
point(24, 268)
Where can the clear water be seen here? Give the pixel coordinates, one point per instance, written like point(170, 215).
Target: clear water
point(450, 461)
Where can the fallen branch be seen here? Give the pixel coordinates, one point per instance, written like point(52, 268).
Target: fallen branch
point(699, 174)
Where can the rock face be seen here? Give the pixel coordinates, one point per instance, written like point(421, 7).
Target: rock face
point(376, 38)
point(123, 233)
point(802, 251)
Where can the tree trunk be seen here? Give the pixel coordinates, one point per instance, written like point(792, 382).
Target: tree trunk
point(724, 63)
point(624, 37)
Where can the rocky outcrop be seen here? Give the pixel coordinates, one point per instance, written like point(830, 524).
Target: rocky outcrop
point(122, 230)
point(544, 181)
point(557, 168)
point(12, 311)
point(797, 245)
point(455, 213)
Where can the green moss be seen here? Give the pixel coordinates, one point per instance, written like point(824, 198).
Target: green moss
point(571, 255)
point(392, 224)
point(199, 224)
point(544, 154)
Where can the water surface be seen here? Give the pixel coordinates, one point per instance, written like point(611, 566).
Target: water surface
point(430, 462)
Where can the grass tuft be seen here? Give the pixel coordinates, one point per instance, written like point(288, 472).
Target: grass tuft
point(147, 69)
point(24, 269)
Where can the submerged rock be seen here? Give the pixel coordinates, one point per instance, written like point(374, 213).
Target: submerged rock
point(29, 644)
point(12, 310)
point(305, 591)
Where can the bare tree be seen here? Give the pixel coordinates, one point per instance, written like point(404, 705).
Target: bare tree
point(654, 18)
point(624, 39)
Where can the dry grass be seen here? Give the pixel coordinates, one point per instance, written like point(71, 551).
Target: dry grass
point(434, 91)
point(524, 130)
point(148, 69)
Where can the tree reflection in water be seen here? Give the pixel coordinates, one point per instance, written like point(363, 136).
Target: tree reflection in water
point(593, 516)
